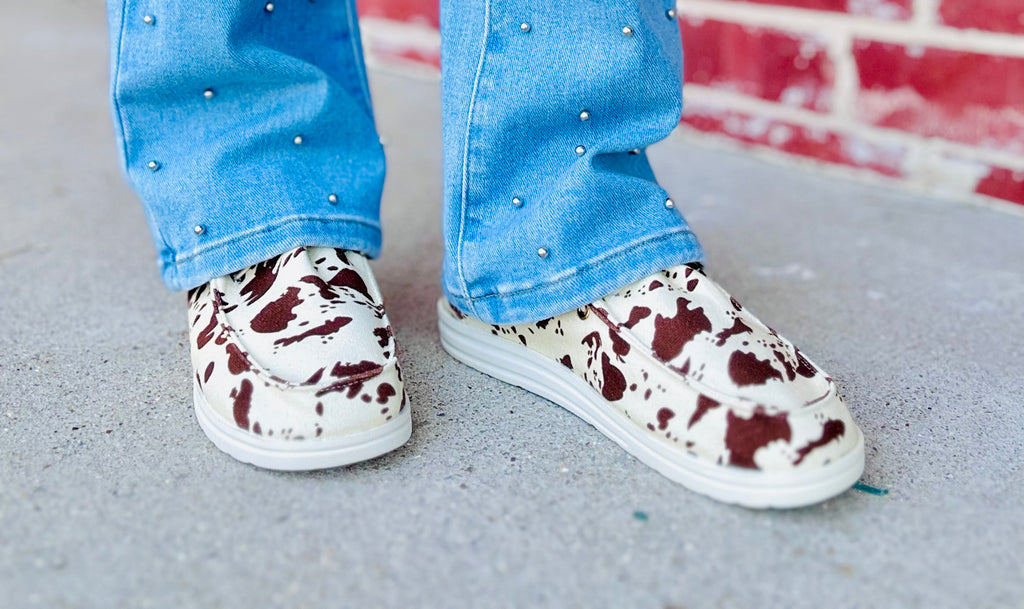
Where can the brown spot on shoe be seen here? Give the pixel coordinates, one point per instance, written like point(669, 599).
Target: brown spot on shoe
point(746, 369)
point(276, 315)
point(348, 278)
point(672, 333)
point(704, 404)
point(237, 361)
point(614, 385)
point(263, 278)
point(738, 327)
point(328, 328)
point(242, 397)
point(385, 391)
point(636, 315)
point(743, 437)
point(832, 430)
point(664, 416)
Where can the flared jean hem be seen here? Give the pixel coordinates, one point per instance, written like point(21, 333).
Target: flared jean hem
point(190, 269)
point(585, 283)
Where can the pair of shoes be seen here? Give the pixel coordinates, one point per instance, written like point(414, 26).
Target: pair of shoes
point(296, 369)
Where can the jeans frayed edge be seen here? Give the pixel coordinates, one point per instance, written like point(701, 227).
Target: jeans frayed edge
point(502, 302)
point(357, 234)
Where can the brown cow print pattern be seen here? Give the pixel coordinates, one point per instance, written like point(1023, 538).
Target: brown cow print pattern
point(297, 347)
point(681, 359)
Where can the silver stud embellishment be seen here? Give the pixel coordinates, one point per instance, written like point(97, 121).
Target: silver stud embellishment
point(516, 201)
point(542, 252)
point(669, 203)
point(671, 13)
point(525, 27)
point(199, 229)
point(332, 199)
point(269, 7)
point(153, 165)
point(208, 94)
point(297, 140)
point(149, 19)
point(627, 31)
point(580, 150)
point(585, 115)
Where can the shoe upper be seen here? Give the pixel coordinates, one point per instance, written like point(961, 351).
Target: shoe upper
point(296, 347)
point(686, 362)
point(685, 320)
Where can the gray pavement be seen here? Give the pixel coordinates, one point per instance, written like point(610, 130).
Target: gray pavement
point(110, 496)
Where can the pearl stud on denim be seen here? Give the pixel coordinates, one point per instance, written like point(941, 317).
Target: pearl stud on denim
point(542, 252)
point(517, 201)
point(332, 199)
point(149, 20)
point(671, 13)
point(585, 115)
point(153, 165)
point(669, 203)
point(524, 27)
point(199, 229)
point(269, 7)
point(297, 140)
point(208, 94)
point(580, 150)
point(627, 31)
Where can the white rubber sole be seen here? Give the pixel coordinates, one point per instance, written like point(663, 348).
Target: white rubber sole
point(301, 455)
point(515, 364)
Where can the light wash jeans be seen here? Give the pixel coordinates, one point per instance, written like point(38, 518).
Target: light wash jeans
point(246, 128)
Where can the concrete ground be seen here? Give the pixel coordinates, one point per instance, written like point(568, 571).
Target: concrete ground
point(110, 495)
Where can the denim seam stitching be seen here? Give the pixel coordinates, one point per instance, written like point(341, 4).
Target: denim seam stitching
point(357, 54)
point(116, 79)
point(178, 258)
point(465, 151)
point(591, 263)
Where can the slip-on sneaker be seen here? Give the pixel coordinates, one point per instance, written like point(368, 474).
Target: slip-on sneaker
point(295, 364)
point(676, 372)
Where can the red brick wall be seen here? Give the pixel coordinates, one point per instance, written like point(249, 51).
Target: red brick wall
point(926, 92)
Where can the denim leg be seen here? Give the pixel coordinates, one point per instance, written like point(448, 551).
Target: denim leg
point(246, 129)
point(550, 202)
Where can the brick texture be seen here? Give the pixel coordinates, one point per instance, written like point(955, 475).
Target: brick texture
point(767, 64)
point(798, 139)
point(423, 12)
point(843, 82)
point(992, 15)
point(881, 9)
point(1003, 183)
point(966, 97)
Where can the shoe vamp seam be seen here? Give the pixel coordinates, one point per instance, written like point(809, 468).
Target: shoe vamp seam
point(265, 375)
point(739, 403)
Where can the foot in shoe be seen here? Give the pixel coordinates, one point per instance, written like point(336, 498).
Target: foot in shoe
point(295, 364)
point(682, 376)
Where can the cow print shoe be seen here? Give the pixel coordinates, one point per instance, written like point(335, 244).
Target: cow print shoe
point(680, 375)
point(295, 364)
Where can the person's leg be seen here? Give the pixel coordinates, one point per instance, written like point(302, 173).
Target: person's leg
point(548, 108)
point(246, 129)
point(556, 235)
